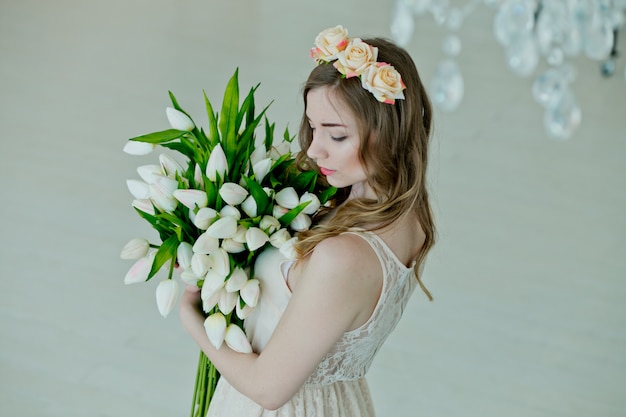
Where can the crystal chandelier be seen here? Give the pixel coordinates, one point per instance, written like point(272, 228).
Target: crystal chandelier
point(530, 31)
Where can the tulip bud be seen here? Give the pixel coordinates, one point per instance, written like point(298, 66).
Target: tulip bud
point(184, 253)
point(179, 120)
point(250, 292)
point(200, 264)
point(277, 239)
point(210, 302)
point(236, 339)
point(279, 211)
point(259, 153)
point(230, 211)
point(217, 164)
point(219, 262)
point(261, 169)
point(233, 193)
point(192, 198)
point(314, 203)
point(223, 228)
point(138, 189)
point(237, 280)
point(190, 278)
point(227, 301)
point(288, 249)
point(137, 148)
point(213, 283)
point(145, 205)
point(140, 269)
point(197, 177)
point(287, 197)
point(249, 206)
point(203, 218)
point(148, 172)
point(256, 238)
point(206, 244)
point(269, 224)
point(240, 235)
point(166, 296)
point(135, 249)
point(215, 327)
point(279, 150)
point(169, 166)
point(232, 246)
point(242, 309)
point(301, 222)
point(160, 197)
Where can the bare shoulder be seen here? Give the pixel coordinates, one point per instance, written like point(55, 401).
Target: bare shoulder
point(345, 252)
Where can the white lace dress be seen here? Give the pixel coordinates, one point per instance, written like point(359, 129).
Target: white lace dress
point(337, 387)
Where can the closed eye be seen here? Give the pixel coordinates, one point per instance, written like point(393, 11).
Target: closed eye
point(338, 138)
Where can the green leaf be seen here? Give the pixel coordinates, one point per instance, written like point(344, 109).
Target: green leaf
point(259, 195)
point(228, 118)
point(327, 194)
point(160, 137)
point(269, 134)
point(166, 252)
point(288, 217)
point(214, 136)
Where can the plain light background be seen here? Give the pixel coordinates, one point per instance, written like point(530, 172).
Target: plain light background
point(529, 315)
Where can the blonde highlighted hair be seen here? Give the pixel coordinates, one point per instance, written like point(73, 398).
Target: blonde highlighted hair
point(393, 151)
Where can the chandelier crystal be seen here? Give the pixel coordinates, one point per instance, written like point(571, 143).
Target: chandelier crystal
point(531, 32)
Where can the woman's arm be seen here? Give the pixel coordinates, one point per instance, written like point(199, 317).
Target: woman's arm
point(337, 291)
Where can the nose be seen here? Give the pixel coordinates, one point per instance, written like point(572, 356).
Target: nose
point(316, 149)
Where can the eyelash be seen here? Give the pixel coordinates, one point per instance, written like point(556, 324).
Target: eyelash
point(335, 138)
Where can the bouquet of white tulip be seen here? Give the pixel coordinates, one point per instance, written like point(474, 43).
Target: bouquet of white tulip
point(237, 195)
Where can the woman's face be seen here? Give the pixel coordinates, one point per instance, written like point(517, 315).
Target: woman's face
point(336, 141)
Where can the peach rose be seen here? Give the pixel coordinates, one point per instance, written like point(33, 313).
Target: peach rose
point(384, 82)
point(329, 42)
point(355, 59)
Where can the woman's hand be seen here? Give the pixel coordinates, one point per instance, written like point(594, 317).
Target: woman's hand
point(191, 307)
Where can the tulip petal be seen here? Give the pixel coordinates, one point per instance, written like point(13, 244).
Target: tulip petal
point(206, 244)
point(179, 120)
point(256, 238)
point(215, 327)
point(227, 301)
point(236, 339)
point(140, 269)
point(217, 164)
point(204, 217)
point(138, 189)
point(184, 252)
point(232, 193)
point(237, 280)
point(314, 203)
point(287, 197)
point(192, 198)
point(135, 249)
point(243, 310)
point(166, 296)
point(137, 148)
point(148, 172)
point(223, 228)
point(250, 292)
point(170, 166)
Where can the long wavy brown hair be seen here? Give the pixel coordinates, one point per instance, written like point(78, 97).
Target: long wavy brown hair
point(393, 151)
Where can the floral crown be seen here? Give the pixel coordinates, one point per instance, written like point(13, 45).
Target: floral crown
point(355, 58)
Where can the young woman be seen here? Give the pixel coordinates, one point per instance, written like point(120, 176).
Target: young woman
point(322, 318)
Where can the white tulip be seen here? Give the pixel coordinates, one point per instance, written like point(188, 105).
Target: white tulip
point(261, 169)
point(169, 166)
point(269, 224)
point(232, 246)
point(206, 244)
point(233, 193)
point(279, 150)
point(138, 189)
point(167, 185)
point(236, 339)
point(231, 211)
point(243, 312)
point(278, 238)
point(250, 292)
point(136, 248)
point(192, 198)
point(279, 211)
point(223, 228)
point(184, 252)
point(301, 222)
point(140, 270)
point(213, 283)
point(314, 203)
point(210, 302)
point(259, 153)
point(144, 204)
point(160, 197)
point(179, 120)
point(203, 218)
point(148, 172)
point(219, 262)
point(189, 277)
point(240, 235)
point(249, 206)
point(217, 164)
point(287, 197)
point(137, 148)
point(288, 249)
point(166, 296)
point(227, 301)
point(237, 280)
point(256, 238)
point(215, 327)
point(197, 177)
point(200, 264)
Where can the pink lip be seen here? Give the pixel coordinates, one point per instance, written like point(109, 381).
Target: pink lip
point(326, 172)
